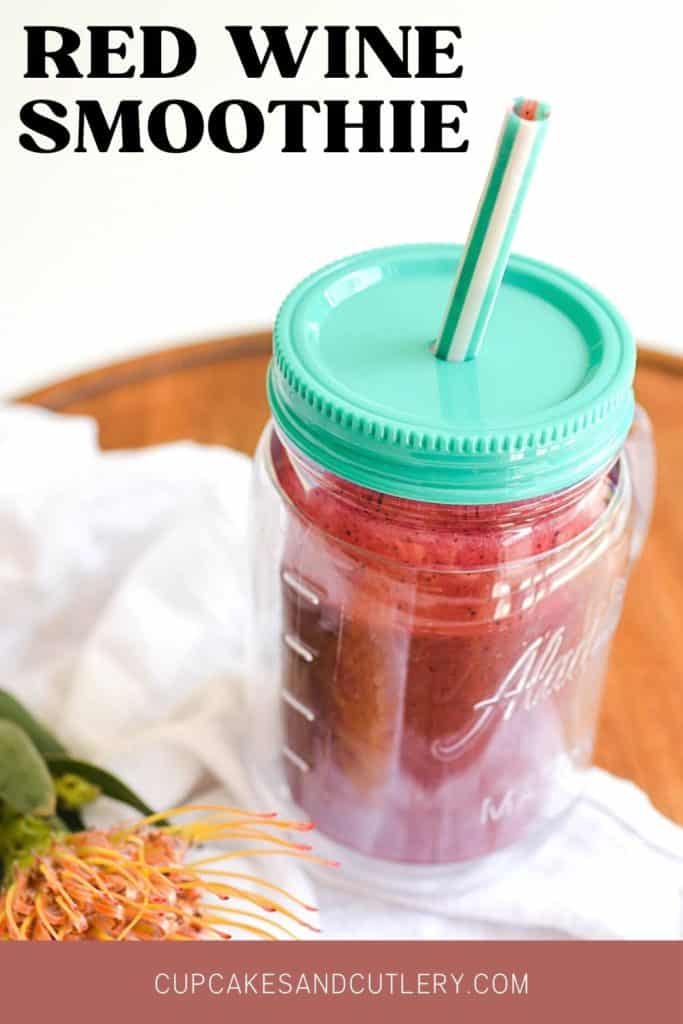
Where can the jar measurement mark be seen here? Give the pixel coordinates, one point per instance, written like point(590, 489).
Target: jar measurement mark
point(302, 589)
point(290, 699)
point(300, 648)
point(297, 761)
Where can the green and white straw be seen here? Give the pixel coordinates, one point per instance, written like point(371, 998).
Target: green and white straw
point(486, 253)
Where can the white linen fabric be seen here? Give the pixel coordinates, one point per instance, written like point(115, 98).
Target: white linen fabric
point(124, 613)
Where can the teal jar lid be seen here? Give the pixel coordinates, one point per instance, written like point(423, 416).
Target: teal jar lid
point(354, 386)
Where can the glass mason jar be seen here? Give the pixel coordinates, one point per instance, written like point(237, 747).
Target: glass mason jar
point(440, 553)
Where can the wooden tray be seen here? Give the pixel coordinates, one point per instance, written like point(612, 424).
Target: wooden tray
point(214, 393)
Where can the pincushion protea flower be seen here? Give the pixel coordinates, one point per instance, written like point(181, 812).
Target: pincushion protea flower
point(135, 883)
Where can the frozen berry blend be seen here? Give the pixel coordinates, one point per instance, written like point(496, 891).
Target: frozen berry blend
point(423, 612)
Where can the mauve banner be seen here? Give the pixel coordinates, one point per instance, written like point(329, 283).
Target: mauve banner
point(553, 982)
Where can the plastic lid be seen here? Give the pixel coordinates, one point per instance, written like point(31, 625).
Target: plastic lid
point(354, 386)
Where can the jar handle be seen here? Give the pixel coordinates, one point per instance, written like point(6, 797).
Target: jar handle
point(642, 464)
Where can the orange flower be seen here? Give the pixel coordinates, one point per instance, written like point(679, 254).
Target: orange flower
point(135, 883)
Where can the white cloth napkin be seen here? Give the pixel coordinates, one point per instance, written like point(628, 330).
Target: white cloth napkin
point(122, 588)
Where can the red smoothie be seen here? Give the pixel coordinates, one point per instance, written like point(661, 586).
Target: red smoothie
point(440, 661)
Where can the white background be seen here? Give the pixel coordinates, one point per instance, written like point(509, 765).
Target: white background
point(108, 255)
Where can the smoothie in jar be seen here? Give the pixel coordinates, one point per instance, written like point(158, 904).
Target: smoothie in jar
point(449, 552)
point(445, 657)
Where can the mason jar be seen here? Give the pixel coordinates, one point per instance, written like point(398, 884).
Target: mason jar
point(439, 557)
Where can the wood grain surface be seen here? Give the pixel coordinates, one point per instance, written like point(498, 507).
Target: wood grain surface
point(214, 393)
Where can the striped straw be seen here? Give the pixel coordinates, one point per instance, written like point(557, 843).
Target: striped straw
point(486, 253)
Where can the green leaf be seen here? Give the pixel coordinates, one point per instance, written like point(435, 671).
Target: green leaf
point(25, 783)
point(107, 783)
point(43, 741)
